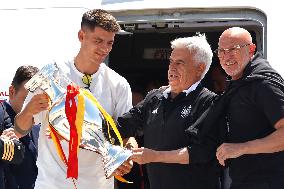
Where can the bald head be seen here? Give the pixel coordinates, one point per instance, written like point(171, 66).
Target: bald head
point(235, 51)
point(236, 35)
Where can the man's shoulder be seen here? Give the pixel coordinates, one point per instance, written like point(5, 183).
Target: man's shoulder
point(65, 65)
point(2, 112)
point(1, 107)
point(155, 94)
point(207, 92)
point(112, 75)
point(5, 119)
point(206, 95)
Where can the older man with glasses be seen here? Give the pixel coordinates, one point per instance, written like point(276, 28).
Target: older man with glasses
point(254, 108)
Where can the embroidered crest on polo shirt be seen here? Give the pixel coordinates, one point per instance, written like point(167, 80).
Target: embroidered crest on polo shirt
point(155, 111)
point(185, 111)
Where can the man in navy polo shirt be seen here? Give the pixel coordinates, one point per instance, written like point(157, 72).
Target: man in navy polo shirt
point(23, 175)
point(11, 149)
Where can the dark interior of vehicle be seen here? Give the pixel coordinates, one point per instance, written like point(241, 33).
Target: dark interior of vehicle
point(142, 57)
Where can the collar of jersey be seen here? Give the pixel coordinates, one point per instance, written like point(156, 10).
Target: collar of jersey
point(187, 91)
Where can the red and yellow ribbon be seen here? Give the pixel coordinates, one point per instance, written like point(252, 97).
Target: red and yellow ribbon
point(75, 128)
point(75, 117)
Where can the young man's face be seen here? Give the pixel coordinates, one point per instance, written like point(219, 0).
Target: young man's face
point(96, 44)
point(17, 97)
point(183, 70)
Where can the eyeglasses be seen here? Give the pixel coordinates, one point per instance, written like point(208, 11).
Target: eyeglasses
point(234, 50)
point(87, 80)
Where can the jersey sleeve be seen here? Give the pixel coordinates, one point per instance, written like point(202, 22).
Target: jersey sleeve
point(11, 151)
point(131, 123)
point(204, 142)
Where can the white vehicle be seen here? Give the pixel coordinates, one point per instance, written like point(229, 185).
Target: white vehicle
point(38, 32)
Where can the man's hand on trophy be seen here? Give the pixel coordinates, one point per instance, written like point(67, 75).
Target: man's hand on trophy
point(124, 168)
point(144, 155)
point(38, 103)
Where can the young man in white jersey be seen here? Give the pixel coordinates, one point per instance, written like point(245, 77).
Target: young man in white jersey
point(87, 70)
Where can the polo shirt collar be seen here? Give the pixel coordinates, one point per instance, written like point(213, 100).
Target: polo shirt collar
point(187, 91)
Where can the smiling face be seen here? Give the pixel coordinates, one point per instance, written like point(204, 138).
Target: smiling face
point(239, 50)
point(96, 44)
point(183, 70)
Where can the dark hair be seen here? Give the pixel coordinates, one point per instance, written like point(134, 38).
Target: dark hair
point(99, 18)
point(22, 74)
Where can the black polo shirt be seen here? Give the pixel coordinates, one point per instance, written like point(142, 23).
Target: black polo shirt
point(253, 110)
point(166, 125)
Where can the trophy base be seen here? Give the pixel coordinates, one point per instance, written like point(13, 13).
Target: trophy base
point(114, 158)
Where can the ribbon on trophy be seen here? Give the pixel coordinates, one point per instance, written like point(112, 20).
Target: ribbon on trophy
point(75, 117)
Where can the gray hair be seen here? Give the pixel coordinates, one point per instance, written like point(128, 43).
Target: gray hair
point(199, 46)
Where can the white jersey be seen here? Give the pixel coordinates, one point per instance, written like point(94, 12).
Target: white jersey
point(114, 94)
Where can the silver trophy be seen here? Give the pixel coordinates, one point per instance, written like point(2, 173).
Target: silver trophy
point(54, 82)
